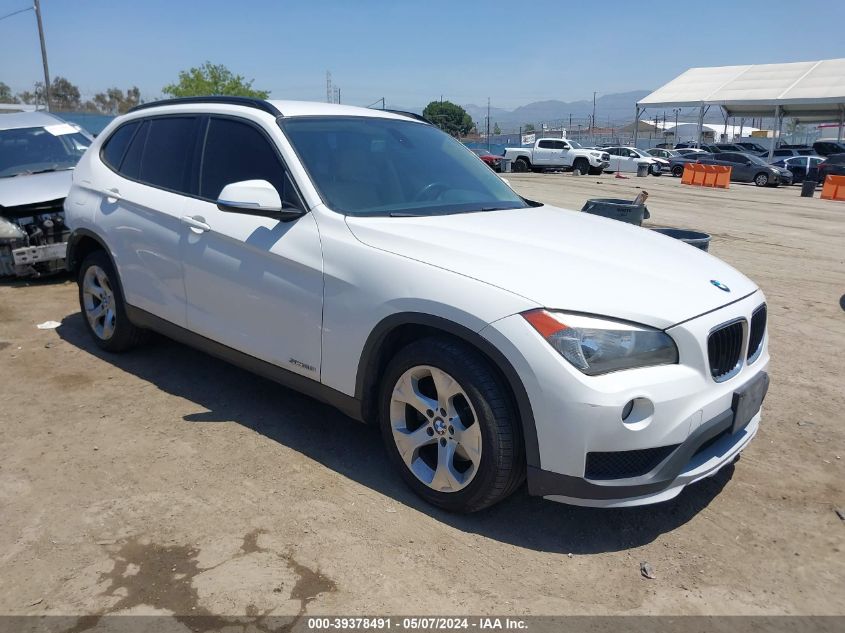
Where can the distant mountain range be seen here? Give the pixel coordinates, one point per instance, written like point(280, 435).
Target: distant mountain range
point(616, 108)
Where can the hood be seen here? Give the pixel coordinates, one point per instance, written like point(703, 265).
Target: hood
point(35, 188)
point(566, 260)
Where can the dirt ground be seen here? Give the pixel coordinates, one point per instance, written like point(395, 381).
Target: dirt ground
point(165, 481)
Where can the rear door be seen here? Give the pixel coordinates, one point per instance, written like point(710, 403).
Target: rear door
point(544, 153)
point(142, 202)
point(253, 283)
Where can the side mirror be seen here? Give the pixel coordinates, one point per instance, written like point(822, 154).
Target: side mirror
point(633, 155)
point(256, 197)
point(748, 163)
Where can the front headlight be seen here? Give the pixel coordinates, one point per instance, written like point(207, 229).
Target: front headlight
point(596, 154)
point(598, 346)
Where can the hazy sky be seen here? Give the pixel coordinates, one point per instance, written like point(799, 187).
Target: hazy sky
point(411, 52)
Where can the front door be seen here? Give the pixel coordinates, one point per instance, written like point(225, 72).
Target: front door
point(252, 283)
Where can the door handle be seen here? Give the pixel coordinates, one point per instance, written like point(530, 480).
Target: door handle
point(112, 194)
point(197, 223)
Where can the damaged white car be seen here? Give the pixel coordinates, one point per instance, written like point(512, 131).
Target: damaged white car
point(38, 152)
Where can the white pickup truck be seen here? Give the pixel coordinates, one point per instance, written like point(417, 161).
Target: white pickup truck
point(557, 153)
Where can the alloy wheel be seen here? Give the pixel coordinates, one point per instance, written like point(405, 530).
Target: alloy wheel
point(435, 428)
point(99, 302)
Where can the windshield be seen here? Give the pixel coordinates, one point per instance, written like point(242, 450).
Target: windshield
point(32, 150)
point(575, 145)
point(376, 166)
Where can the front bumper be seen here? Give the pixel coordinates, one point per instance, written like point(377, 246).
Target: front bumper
point(34, 261)
point(710, 448)
point(578, 416)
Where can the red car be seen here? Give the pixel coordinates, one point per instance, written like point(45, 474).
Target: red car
point(493, 162)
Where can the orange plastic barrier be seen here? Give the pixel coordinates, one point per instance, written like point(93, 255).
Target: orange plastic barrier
point(707, 175)
point(834, 188)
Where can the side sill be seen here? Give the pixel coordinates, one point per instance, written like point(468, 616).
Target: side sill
point(347, 405)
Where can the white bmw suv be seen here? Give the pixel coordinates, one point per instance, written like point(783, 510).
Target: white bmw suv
point(367, 259)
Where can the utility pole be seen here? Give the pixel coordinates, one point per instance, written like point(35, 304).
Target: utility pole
point(593, 120)
point(43, 53)
point(488, 124)
point(328, 86)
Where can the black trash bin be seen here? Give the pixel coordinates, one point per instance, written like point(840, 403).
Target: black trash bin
point(808, 187)
point(693, 238)
point(642, 170)
point(615, 209)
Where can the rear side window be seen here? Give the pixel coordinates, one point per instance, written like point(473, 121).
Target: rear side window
point(546, 145)
point(130, 167)
point(236, 151)
point(166, 159)
point(115, 147)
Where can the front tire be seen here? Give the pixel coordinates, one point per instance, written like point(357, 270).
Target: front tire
point(655, 170)
point(450, 426)
point(582, 165)
point(103, 307)
point(761, 180)
point(677, 171)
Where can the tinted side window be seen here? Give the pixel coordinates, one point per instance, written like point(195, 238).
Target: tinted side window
point(131, 165)
point(115, 146)
point(236, 151)
point(546, 145)
point(167, 153)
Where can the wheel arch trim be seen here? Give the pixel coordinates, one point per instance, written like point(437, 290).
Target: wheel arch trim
point(368, 365)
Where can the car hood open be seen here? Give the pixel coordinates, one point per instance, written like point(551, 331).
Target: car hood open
point(34, 188)
point(566, 260)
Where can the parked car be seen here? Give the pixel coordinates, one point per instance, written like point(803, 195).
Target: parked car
point(556, 153)
point(661, 152)
point(685, 151)
point(781, 153)
point(730, 147)
point(798, 165)
point(833, 165)
point(748, 168)
point(752, 148)
point(493, 162)
point(677, 164)
point(38, 150)
point(826, 148)
point(628, 159)
point(368, 259)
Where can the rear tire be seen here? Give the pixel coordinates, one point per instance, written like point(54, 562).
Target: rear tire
point(521, 165)
point(103, 307)
point(452, 416)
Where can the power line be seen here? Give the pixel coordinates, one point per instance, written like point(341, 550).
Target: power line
point(8, 15)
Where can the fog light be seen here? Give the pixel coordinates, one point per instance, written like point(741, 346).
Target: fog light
point(626, 410)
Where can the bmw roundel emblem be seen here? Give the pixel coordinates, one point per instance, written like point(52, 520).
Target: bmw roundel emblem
point(720, 285)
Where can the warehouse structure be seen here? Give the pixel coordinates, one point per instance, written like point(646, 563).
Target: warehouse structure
point(806, 91)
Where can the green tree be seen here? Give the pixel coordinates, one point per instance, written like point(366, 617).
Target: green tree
point(212, 79)
point(63, 95)
point(496, 129)
point(449, 117)
point(115, 101)
point(6, 95)
point(528, 128)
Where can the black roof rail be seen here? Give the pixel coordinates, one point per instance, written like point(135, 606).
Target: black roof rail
point(412, 115)
point(249, 102)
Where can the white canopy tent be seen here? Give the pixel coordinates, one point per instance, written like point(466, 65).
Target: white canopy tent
point(807, 91)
